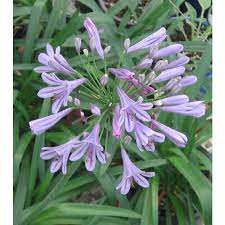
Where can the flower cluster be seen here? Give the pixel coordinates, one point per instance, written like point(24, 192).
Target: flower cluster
point(131, 98)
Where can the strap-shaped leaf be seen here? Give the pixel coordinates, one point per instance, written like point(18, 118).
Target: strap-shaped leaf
point(199, 183)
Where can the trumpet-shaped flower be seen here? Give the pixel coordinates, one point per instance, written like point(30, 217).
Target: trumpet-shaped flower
point(59, 154)
point(39, 126)
point(132, 173)
point(90, 146)
point(94, 35)
point(153, 39)
point(53, 61)
point(131, 109)
point(195, 109)
point(58, 89)
point(146, 137)
point(175, 136)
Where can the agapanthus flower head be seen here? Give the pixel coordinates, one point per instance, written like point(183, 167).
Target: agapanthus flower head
point(132, 173)
point(126, 102)
point(53, 61)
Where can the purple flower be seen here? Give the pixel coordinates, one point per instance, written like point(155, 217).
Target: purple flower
point(169, 50)
point(122, 74)
point(59, 154)
point(184, 82)
point(146, 137)
point(95, 110)
point(173, 100)
point(93, 34)
point(132, 173)
point(169, 74)
point(195, 109)
point(59, 90)
point(146, 63)
point(90, 146)
point(39, 126)
point(104, 79)
point(53, 62)
point(175, 136)
point(178, 62)
point(131, 109)
point(116, 123)
point(153, 39)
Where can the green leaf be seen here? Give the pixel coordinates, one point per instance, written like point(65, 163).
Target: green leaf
point(19, 153)
point(68, 210)
point(20, 193)
point(179, 209)
point(146, 215)
point(201, 70)
point(91, 4)
point(33, 29)
point(205, 4)
point(117, 7)
point(34, 211)
point(154, 186)
point(199, 183)
point(203, 159)
point(39, 143)
point(71, 28)
point(21, 11)
point(57, 11)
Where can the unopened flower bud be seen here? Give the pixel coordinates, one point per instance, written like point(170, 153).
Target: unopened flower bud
point(107, 49)
point(70, 99)
point(85, 51)
point(95, 110)
point(104, 79)
point(140, 99)
point(127, 139)
point(82, 114)
point(77, 43)
point(126, 44)
point(150, 78)
point(76, 101)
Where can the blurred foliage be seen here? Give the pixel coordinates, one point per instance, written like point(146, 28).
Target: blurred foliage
point(181, 191)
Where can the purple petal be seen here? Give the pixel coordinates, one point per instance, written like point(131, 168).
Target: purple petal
point(79, 153)
point(93, 33)
point(43, 58)
point(90, 159)
point(169, 74)
point(170, 50)
point(56, 165)
point(50, 50)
